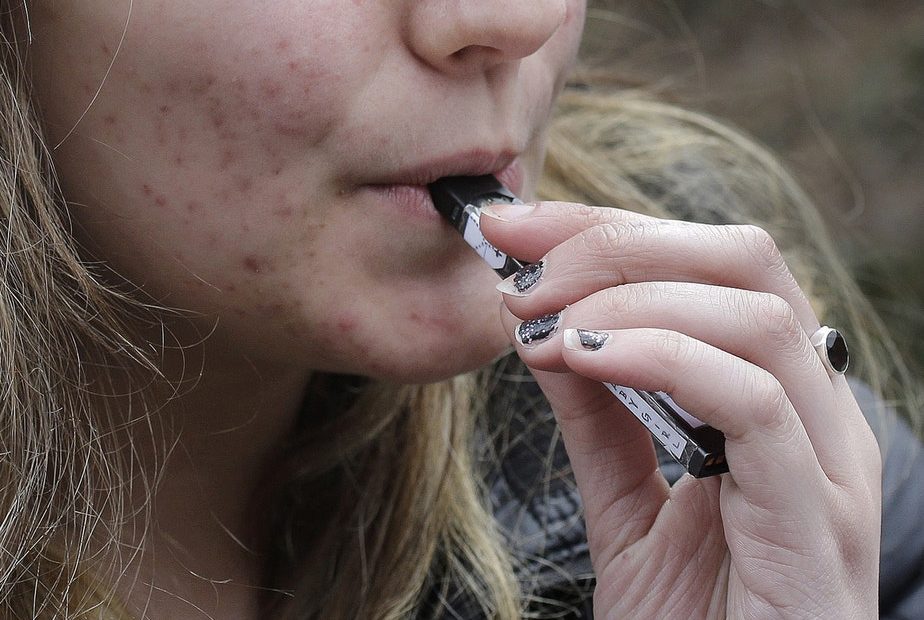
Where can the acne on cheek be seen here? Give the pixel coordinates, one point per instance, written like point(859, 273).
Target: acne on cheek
point(274, 310)
point(243, 184)
point(155, 197)
point(292, 95)
point(228, 157)
point(258, 264)
point(285, 312)
point(286, 97)
point(346, 323)
point(283, 212)
point(246, 124)
point(225, 136)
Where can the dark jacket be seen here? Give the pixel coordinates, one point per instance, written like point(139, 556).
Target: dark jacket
point(541, 513)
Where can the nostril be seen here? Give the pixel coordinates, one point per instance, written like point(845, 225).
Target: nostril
point(477, 34)
point(460, 55)
point(469, 53)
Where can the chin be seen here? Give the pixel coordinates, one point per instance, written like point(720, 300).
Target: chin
point(428, 360)
point(432, 373)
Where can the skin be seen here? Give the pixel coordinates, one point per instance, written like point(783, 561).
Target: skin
point(224, 164)
point(719, 323)
point(232, 149)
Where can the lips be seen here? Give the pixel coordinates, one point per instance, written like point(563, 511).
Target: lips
point(475, 162)
point(407, 189)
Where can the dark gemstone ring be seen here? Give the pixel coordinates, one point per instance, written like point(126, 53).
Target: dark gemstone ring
point(832, 349)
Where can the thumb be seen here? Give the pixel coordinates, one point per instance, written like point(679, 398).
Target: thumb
point(612, 456)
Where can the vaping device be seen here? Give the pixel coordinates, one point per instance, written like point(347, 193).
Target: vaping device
point(693, 443)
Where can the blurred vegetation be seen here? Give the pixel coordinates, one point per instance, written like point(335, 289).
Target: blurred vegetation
point(835, 87)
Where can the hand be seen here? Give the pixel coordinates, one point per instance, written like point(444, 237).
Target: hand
point(713, 316)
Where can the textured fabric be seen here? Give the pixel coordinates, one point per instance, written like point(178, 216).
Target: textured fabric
point(901, 572)
point(538, 506)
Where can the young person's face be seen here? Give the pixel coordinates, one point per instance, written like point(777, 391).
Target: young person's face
point(263, 163)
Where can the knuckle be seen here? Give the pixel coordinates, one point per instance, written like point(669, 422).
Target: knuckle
point(761, 247)
point(771, 404)
point(855, 526)
point(675, 350)
point(606, 244)
point(608, 238)
point(775, 318)
point(600, 239)
point(625, 299)
point(592, 216)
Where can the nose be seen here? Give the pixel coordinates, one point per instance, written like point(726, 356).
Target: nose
point(468, 36)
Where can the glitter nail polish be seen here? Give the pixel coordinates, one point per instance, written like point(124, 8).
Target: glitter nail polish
point(537, 330)
point(528, 276)
point(591, 340)
point(523, 280)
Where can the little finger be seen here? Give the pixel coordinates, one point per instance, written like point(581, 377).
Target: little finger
point(765, 439)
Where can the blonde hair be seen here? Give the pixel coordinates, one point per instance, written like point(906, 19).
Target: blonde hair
point(59, 467)
point(394, 466)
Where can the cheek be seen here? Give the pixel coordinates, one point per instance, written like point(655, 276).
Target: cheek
point(284, 98)
point(204, 150)
point(272, 94)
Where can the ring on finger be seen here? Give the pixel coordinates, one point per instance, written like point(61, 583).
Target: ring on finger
point(831, 347)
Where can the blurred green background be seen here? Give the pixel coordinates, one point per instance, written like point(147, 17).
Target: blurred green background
point(835, 87)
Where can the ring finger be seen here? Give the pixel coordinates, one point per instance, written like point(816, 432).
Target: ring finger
point(758, 327)
point(765, 442)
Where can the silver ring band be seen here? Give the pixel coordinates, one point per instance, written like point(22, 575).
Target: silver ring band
point(832, 349)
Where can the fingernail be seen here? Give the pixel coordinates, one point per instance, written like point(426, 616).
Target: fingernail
point(584, 339)
point(534, 331)
point(507, 212)
point(520, 283)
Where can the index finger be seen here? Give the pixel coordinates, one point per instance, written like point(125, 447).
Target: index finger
point(631, 247)
point(531, 230)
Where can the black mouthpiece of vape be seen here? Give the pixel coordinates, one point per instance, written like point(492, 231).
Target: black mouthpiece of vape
point(452, 194)
point(460, 199)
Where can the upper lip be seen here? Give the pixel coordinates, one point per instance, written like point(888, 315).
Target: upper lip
point(474, 162)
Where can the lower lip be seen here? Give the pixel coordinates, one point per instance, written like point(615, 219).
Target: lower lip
point(415, 201)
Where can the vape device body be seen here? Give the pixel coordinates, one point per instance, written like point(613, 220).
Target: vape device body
point(694, 444)
point(460, 199)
